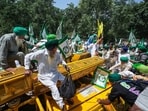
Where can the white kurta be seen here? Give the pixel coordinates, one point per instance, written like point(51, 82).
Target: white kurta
point(48, 73)
point(94, 49)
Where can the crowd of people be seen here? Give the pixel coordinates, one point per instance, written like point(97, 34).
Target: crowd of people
point(119, 60)
point(129, 82)
point(128, 70)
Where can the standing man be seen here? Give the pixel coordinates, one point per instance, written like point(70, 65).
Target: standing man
point(95, 47)
point(9, 48)
point(48, 59)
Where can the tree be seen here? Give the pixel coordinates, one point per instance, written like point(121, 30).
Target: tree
point(118, 17)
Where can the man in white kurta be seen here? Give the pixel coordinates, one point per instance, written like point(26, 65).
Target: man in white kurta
point(48, 60)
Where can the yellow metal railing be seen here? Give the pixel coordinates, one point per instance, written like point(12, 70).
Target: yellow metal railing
point(38, 102)
point(15, 84)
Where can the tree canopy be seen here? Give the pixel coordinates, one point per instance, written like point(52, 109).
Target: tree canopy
point(118, 17)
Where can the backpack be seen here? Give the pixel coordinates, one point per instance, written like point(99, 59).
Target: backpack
point(67, 89)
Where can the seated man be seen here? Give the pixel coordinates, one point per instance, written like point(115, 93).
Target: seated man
point(123, 53)
point(142, 55)
point(9, 46)
point(127, 89)
point(124, 65)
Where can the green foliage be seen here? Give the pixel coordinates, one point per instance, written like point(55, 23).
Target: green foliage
point(118, 17)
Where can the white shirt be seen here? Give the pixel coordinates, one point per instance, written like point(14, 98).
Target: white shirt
point(45, 69)
point(94, 48)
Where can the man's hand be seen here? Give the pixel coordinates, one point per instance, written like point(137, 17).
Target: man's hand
point(10, 69)
point(28, 72)
point(67, 68)
point(104, 101)
point(99, 101)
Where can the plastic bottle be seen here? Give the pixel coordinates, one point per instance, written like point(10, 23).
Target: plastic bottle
point(17, 63)
point(1, 68)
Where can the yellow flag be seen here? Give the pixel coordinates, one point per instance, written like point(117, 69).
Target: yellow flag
point(100, 28)
point(99, 33)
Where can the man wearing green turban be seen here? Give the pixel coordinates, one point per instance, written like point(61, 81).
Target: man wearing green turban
point(48, 59)
point(20, 31)
point(41, 43)
point(132, 52)
point(142, 56)
point(124, 65)
point(9, 48)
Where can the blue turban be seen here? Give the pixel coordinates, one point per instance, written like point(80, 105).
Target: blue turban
point(125, 48)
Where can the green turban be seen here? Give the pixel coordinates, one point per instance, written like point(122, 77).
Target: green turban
point(142, 48)
point(106, 47)
point(51, 44)
point(141, 68)
point(132, 47)
point(124, 59)
point(20, 31)
point(94, 41)
point(50, 36)
point(114, 77)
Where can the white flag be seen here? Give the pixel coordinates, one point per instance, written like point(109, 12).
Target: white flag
point(44, 33)
point(31, 33)
point(59, 31)
point(132, 39)
point(73, 34)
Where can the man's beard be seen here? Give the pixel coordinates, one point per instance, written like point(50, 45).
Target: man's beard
point(50, 59)
point(52, 54)
point(19, 42)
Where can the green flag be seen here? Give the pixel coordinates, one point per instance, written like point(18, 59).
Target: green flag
point(31, 32)
point(132, 39)
point(120, 41)
point(73, 34)
point(141, 42)
point(44, 33)
point(59, 31)
point(76, 38)
point(115, 39)
point(65, 48)
point(31, 35)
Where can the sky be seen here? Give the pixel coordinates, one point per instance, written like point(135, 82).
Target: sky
point(62, 4)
